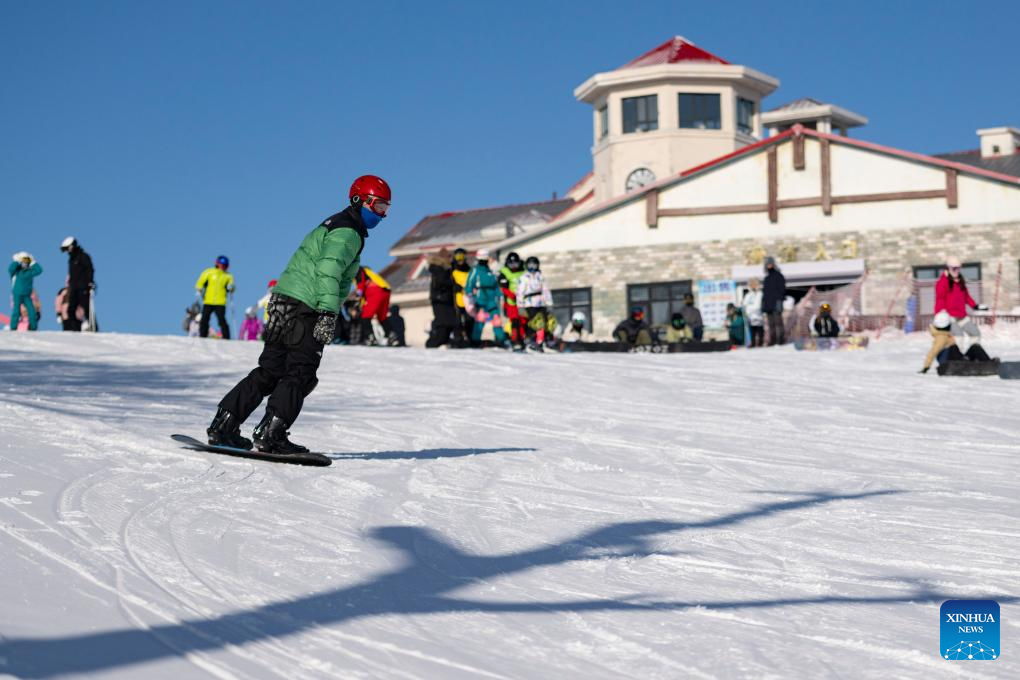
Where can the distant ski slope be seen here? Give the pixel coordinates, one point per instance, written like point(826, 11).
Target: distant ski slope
point(744, 515)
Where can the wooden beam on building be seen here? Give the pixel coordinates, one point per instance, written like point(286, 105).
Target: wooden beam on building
point(652, 209)
point(798, 152)
point(952, 194)
point(890, 196)
point(714, 210)
point(826, 176)
point(773, 179)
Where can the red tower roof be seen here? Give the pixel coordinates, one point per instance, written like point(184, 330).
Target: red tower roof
point(672, 51)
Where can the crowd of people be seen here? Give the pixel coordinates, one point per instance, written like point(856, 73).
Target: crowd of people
point(74, 304)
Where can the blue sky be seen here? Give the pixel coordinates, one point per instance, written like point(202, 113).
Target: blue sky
point(164, 134)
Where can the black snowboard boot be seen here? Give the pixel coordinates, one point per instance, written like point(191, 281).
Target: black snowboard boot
point(271, 437)
point(225, 430)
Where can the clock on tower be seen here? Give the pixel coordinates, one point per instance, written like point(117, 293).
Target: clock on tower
point(639, 178)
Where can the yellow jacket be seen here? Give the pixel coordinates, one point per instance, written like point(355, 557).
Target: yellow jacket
point(217, 284)
point(679, 334)
point(460, 280)
point(940, 340)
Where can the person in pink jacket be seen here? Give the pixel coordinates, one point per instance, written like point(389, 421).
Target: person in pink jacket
point(251, 329)
point(952, 296)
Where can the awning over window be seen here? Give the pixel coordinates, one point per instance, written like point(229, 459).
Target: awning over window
point(821, 273)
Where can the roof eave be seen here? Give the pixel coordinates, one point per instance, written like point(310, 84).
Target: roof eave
point(593, 87)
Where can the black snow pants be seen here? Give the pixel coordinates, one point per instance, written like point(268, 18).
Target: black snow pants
point(777, 331)
point(221, 318)
point(287, 366)
point(76, 297)
point(444, 322)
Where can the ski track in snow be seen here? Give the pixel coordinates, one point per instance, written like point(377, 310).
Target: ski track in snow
point(765, 514)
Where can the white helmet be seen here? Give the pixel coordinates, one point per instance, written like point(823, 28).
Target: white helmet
point(250, 311)
point(482, 254)
point(68, 243)
point(18, 257)
point(942, 320)
point(578, 318)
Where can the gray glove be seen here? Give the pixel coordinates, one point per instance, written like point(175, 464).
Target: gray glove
point(325, 328)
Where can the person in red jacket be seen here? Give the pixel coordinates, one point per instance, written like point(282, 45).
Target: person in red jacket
point(952, 296)
point(375, 295)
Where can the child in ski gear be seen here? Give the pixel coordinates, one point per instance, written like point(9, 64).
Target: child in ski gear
point(941, 338)
point(952, 296)
point(191, 316)
point(441, 295)
point(634, 329)
point(483, 287)
point(302, 320)
point(772, 301)
point(512, 270)
point(751, 305)
point(533, 297)
point(461, 271)
point(217, 284)
point(374, 292)
point(251, 328)
point(825, 325)
point(23, 271)
point(735, 326)
point(678, 330)
point(23, 324)
point(80, 283)
point(576, 331)
point(692, 315)
point(397, 328)
point(263, 302)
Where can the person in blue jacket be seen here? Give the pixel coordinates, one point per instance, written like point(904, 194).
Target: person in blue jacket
point(483, 288)
point(23, 271)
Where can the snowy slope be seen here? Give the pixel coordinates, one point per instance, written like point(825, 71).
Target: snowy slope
point(767, 514)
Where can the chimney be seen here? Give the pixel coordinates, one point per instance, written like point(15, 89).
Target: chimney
point(1000, 141)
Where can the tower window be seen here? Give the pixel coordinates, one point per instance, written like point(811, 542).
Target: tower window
point(745, 116)
point(603, 122)
point(641, 114)
point(700, 111)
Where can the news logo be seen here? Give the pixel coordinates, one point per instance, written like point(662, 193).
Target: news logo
point(969, 630)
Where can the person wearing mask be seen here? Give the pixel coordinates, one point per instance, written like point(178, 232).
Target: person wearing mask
point(678, 330)
point(23, 271)
point(80, 283)
point(692, 315)
point(483, 287)
point(576, 331)
point(825, 325)
point(751, 304)
point(533, 299)
point(513, 269)
point(634, 330)
point(217, 284)
point(397, 328)
point(302, 321)
point(772, 301)
point(441, 295)
point(460, 272)
point(952, 296)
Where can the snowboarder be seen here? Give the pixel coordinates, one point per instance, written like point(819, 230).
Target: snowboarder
point(634, 329)
point(441, 295)
point(576, 331)
point(951, 295)
point(825, 325)
point(772, 301)
point(735, 325)
point(251, 328)
point(751, 305)
point(678, 330)
point(80, 283)
point(692, 315)
point(217, 284)
point(302, 320)
point(23, 271)
point(483, 287)
point(533, 298)
point(460, 272)
point(512, 270)
point(941, 338)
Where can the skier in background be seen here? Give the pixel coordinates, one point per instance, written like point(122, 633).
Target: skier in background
point(397, 327)
point(80, 283)
point(952, 296)
point(512, 270)
point(251, 328)
point(23, 271)
point(576, 331)
point(634, 330)
point(441, 295)
point(772, 301)
point(190, 325)
point(533, 298)
point(678, 330)
point(825, 325)
point(302, 320)
point(483, 288)
point(374, 292)
point(217, 284)
point(465, 322)
point(735, 325)
point(263, 302)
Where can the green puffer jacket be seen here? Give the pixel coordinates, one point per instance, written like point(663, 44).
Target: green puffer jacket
point(320, 273)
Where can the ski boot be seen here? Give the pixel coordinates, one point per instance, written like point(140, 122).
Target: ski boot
point(270, 436)
point(225, 430)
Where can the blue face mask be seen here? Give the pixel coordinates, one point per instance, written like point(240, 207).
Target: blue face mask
point(370, 218)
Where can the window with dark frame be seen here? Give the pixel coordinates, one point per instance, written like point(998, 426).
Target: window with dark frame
point(569, 301)
point(604, 122)
point(700, 111)
point(641, 114)
point(745, 116)
point(659, 301)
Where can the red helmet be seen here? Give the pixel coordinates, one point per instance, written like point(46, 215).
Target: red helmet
point(376, 187)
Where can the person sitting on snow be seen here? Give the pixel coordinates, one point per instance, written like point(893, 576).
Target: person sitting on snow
point(735, 325)
point(634, 330)
point(825, 325)
point(678, 330)
point(942, 341)
point(576, 331)
point(398, 328)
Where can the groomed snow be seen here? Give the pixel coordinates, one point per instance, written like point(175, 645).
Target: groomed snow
point(766, 514)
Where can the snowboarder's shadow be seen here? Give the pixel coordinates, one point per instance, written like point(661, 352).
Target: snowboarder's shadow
point(424, 454)
point(425, 582)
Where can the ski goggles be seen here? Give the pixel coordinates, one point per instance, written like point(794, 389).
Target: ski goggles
point(377, 205)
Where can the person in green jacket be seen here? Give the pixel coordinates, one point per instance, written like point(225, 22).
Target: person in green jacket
point(23, 271)
point(302, 319)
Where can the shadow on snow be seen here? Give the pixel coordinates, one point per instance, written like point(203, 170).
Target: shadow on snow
point(424, 454)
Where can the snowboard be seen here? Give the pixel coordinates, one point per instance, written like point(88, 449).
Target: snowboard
point(965, 367)
point(823, 344)
point(317, 459)
point(1009, 370)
